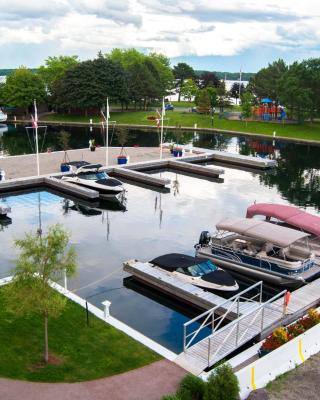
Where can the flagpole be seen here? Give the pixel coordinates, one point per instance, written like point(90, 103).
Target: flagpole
point(107, 134)
point(106, 118)
point(161, 135)
point(36, 128)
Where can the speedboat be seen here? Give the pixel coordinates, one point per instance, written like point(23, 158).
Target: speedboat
point(200, 272)
point(260, 250)
point(92, 177)
point(3, 116)
point(291, 217)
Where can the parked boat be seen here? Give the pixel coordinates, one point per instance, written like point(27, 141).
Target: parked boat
point(4, 219)
point(92, 177)
point(3, 116)
point(261, 250)
point(292, 217)
point(197, 271)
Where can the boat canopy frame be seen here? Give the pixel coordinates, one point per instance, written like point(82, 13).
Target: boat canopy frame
point(277, 235)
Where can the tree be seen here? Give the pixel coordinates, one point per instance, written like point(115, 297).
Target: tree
point(267, 82)
point(55, 68)
point(246, 106)
point(188, 89)
point(90, 83)
point(222, 384)
point(22, 88)
point(213, 94)
point(182, 71)
point(42, 259)
point(223, 99)
point(234, 91)
point(208, 79)
point(203, 101)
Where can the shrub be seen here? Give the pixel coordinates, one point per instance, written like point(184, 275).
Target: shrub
point(170, 397)
point(222, 384)
point(191, 388)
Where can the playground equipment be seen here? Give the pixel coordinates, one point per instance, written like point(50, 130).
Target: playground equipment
point(269, 111)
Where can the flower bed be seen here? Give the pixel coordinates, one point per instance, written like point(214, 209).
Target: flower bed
point(283, 335)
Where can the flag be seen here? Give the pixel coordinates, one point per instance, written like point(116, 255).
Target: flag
point(34, 122)
point(35, 118)
point(163, 108)
point(158, 118)
point(108, 109)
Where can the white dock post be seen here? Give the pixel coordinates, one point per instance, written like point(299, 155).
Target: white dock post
point(90, 121)
point(274, 133)
point(65, 280)
point(195, 126)
point(106, 304)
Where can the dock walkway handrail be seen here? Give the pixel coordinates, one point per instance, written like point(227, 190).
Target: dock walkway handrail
point(231, 305)
point(240, 338)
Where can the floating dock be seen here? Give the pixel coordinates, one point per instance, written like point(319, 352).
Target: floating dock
point(230, 158)
point(176, 287)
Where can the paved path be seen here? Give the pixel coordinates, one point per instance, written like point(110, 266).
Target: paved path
point(147, 383)
point(25, 165)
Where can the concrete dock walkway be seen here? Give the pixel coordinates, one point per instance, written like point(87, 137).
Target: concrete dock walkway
point(25, 165)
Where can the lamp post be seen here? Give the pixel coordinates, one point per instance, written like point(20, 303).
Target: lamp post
point(212, 115)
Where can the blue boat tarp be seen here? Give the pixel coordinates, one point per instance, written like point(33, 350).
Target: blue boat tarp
point(266, 101)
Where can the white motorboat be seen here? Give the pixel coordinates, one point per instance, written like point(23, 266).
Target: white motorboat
point(197, 271)
point(3, 116)
point(261, 250)
point(91, 176)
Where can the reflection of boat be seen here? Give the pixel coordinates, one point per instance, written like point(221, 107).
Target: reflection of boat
point(261, 250)
point(292, 217)
point(3, 129)
point(197, 271)
point(4, 219)
point(90, 176)
point(95, 209)
point(3, 116)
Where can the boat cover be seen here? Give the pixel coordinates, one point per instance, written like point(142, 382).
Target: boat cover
point(275, 234)
point(288, 214)
point(173, 261)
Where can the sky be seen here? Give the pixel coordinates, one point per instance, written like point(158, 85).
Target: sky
point(207, 34)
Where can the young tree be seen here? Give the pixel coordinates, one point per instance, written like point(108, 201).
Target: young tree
point(42, 259)
point(203, 101)
point(189, 89)
point(246, 106)
point(22, 88)
point(222, 384)
point(182, 71)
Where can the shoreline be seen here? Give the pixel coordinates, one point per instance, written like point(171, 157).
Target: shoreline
point(186, 128)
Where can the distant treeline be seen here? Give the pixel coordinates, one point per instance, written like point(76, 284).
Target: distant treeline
point(232, 76)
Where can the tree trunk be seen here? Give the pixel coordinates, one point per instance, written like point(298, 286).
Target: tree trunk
point(46, 345)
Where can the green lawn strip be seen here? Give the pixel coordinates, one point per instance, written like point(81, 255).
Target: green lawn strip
point(310, 131)
point(86, 352)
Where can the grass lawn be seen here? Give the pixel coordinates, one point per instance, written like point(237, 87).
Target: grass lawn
point(80, 352)
point(188, 104)
point(309, 131)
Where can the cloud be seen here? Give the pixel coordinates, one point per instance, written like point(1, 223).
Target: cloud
point(180, 28)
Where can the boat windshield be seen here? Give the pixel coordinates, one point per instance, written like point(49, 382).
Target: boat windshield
point(94, 176)
point(202, 268)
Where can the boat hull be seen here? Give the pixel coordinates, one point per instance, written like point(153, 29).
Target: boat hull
point(255, 272)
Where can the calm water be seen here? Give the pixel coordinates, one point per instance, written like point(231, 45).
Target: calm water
point(154, 224)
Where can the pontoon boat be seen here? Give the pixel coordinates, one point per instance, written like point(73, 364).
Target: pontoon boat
point(292, 217)
point(261, 250)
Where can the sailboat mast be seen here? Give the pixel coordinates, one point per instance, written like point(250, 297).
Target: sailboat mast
point(35, 124)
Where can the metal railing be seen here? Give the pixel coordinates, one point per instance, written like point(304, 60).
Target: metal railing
point(233, 309)
point(243, 329)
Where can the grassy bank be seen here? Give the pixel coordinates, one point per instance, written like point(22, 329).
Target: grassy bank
point(78, 352)
point(310, 131)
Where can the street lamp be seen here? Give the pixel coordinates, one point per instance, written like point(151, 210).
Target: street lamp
point(212, 115)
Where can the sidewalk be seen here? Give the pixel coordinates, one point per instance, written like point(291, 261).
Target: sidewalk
point(147, 383)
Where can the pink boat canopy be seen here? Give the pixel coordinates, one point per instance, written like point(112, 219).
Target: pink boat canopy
point(288, 214)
